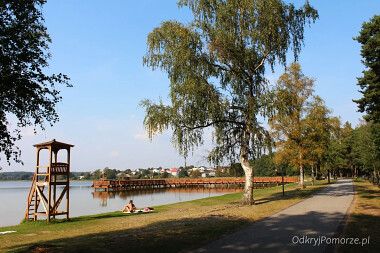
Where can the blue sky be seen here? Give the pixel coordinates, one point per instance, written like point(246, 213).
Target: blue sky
point(100, 45)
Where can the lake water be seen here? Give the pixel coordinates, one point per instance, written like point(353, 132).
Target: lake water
point(85, 201)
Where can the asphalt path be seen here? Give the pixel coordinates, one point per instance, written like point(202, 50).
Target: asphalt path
point(308, 226)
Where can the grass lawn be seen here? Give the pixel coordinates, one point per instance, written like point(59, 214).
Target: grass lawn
point(170, 228)
point(364, 219)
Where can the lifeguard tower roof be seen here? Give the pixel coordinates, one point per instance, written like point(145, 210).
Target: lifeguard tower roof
point(54, 144)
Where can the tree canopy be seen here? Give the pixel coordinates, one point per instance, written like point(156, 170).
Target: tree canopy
point(216, 67)
point(370, 82)
point(26, 92)
point(292, 98)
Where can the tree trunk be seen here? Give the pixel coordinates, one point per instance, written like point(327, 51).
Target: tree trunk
point(328, 175)
point(312, 175)
point(247, 198)
point(356, 172)
point(375, 180)
point(301, 171)
point(301, 175)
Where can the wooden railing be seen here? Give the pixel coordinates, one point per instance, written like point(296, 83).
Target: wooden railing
point(109, 184)
point(32, 194)
point(59, 168)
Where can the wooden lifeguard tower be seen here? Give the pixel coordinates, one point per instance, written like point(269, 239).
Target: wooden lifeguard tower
point(43, 198)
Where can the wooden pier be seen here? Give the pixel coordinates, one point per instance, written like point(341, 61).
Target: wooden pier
point(119, 185)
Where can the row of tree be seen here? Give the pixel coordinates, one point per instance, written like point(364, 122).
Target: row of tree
point(306, 134)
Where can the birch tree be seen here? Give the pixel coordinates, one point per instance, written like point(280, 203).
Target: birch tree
point(216, 66)
point(292, 95)
point(317, 133)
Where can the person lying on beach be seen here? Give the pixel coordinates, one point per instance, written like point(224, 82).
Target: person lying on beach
point(130, 207)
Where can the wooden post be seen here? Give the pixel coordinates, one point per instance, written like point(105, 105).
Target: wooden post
point(55, 182)
point(35, 190)
point(49, 184)
point(68, 183)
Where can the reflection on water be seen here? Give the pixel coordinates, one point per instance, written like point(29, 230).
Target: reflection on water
point(85, 201)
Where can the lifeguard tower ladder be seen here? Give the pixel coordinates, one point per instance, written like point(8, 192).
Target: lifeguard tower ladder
point(43, 198)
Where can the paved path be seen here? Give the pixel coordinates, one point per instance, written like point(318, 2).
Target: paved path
point(291, 230)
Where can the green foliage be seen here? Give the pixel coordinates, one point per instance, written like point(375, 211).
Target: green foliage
point(216, 66)
point(183, 172)
point(164, 175)
point(195, 174)
point(25, 91)
point(222, 172)
point(22, 175)
point(368, 156)
point(265, 165)
point(370, 82)
point(236, 170)
point(110, 173)
point(350, 151)
point(227, 43)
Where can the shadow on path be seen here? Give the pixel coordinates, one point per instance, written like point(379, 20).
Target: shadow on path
point(307, 226)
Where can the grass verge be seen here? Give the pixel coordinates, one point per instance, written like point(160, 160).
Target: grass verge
point(171, 228)
point(364, 219)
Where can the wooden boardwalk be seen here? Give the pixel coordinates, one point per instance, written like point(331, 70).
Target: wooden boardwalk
point(259, 182)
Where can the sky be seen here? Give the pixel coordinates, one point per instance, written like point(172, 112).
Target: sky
point(100, 46)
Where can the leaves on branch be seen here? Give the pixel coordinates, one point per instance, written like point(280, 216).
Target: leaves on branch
point(26, 92)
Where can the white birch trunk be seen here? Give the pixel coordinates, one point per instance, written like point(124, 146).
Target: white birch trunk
point(247, 198)
point(301, 175)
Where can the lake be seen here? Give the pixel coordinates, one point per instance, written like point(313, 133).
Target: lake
point(85, 201)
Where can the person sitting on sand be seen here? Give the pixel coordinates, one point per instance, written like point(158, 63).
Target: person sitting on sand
point(130, 207)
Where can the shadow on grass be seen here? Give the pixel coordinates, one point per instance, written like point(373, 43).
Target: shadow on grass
point(163, 236)
point(365, 220)
point(291, 193)
point(367, 193)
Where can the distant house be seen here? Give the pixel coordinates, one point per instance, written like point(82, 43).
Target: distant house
point(157, 171)
point(123, 176)
point(81, 177)
point(202, 168)
point(175, 172)
point(208, 173)
point(223, 168)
